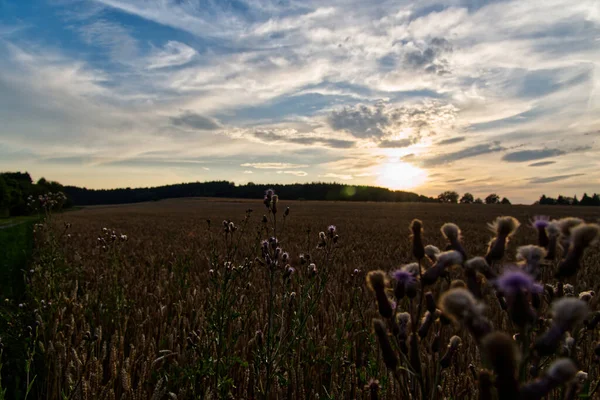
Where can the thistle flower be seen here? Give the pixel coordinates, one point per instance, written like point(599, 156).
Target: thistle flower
point(444, 260)
point(566, 314)
point(331, 229)
point(377, 283)
point(587, 295)
point(451, 350)
point(581, 237)
point(461, 306)
point(389, 355)
point(516, 285)
point(504, 227)
point(540, 222)
point(416, 227)
point(453, 234)
point(403, 279)
point(532, 256)
point(559, 373)
point(553, 230)
point(403, 320)
point(432, 252)
point(480, 265)
point(501, 352)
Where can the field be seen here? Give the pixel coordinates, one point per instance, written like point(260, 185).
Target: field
point(166, 300)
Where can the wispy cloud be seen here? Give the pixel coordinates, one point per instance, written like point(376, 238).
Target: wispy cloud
point(542, 163)
point(467, 152)
point(295, 173)
point(550, 179)
point(273, 165)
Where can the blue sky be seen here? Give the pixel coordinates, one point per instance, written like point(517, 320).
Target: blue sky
point(478, 96)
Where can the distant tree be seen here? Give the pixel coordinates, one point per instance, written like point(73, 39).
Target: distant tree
point(492, 199)
point(595, 200)
point(478, 201)
point(586, 200)
point(4, 198)
point(562, 200)
point(467, 198)
point(575, 201)
point(448, 197)
point(505, 201)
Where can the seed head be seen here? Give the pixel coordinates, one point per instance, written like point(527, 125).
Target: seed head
point(568, 312)
point(432, 252)
point(459, 303)
point(376, 280)
point(583, 235)
point(451, 231)
point(531, 254)
point(514, 281)
point(567, 224)
point(504, 226)
point(389, 355)
point(562, 371)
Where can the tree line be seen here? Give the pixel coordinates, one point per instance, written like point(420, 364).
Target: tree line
point(16, 190)
point(561, 200)
point(467, 198)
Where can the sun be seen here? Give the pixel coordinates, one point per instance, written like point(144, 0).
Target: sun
point(398, 175)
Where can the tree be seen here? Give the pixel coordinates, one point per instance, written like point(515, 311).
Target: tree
point(492, 199)
point(467, 198)
point(478, 201)
point(4, 198)
point(448, 197)
point(505, 201)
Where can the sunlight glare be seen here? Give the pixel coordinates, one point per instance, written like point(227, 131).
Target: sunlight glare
point(398, 175)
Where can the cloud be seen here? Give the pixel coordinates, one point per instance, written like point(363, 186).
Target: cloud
point(395, 143)
point(531, 155)
point(550, 179)
point(344, 177)
point(273, 165)
point(542, 163)
point(112, 37)
point(295, 173)
point(453, 140)
point(192, 120)
point(293, 136)
point(430, 58)
point(173, 54)
point(456, 180)
point(382, 119)
point(248, 172)
point(467, 152)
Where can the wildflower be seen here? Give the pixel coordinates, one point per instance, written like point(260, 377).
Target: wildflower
point(432, 252)
point(373, 388)
point(286, 212)
point(504, 228)
point(559, 373)
point(540, 222)
point(416, 226)
point(389, 355)
point(566, 226)
point(444, 260)
point(377, 282)
point(581, 237)
point(532, 256)
point(500, 350)
point(516, 285)
point(403, 279)
point(461, 306)
point(453, 346)
point(285, 257)
point(403, 321)
point(566, 314)
point(274, 201)
point(586, 296)
point(331, 229)
point(312, 270)
point(288, 272)
point(427, 322)
point(452, 233)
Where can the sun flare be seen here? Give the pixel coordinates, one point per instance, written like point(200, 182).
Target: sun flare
point(398, 175)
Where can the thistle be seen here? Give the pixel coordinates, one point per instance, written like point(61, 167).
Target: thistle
point(451, 350)
point(517, 286)
point(560, 372)
point(553, 230)
point(566, 314)
point(416, 227)
point(404, 282)
point(461, 306)
point(500, 350)
point(389, 355)
point(581, 237)
point(432, 252)
point(566, 226)
point(540, 222)
point(377, 283)
point(453, 234)
point(504, 227)
point(531, 256)
point(444, 260)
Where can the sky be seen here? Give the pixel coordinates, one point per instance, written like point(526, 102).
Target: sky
point(467, 95)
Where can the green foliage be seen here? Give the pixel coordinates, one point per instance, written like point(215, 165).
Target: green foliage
point(18, 193)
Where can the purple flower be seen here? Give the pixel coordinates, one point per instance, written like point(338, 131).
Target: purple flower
point(540, 221)
point(403, 277)
point(331, 229)
point(513, 281)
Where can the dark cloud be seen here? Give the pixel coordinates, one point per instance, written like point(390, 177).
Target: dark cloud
point(531, 155)
point(361, 121)
point(396, 143)
point(453, 140)
point(467, 152)
point(271, 136)
point(456, 180)
point(542, 163)
point(195, 121)
point(430, 59)
point(550, 179)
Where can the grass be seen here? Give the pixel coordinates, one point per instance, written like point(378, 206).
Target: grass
point(206, 310)
point(16, 220)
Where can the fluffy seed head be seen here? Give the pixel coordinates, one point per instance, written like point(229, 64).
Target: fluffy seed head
point(416, 226)
point(583, 235)
point(581, 377)
point(451, 231)
point(376, 280)
point(568, 312)
point(458, 303)
point(562, 370)
point(501, 351)
point(531, 254)
point(432, 252)
point(567, 224)
point(553, 229)
point(403, 277)
point(412, 268)
point(449, 258)
point(586, 296)
point(504, 226)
